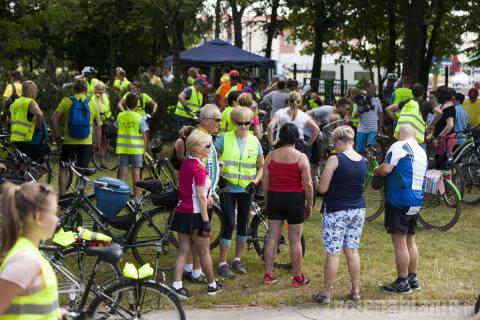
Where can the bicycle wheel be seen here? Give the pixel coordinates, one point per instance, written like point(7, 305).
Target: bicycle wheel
point(471, 181)
point(45, 172)
point(80, 265)
point(133, 299)
point(438, 212)
point(151, 243)
point(259, 232)
point(374, 202)
point(106, 158)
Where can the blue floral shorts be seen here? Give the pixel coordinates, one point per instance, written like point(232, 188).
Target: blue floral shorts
point(342, 229)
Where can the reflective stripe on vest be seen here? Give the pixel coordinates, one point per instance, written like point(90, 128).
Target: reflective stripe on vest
point(194, 104)
point(410, 114)
point(21, 129)
point(129, 138)
point(402, 94)
point(239, 171)
point(227, 124)
point(355, 118)
point(42, 305)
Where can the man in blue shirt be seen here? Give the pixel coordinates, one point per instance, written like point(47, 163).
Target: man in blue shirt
point(461, 118)
point(404, 167)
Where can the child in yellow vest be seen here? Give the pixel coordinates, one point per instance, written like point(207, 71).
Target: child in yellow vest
point(132, 141)
point(28, 284)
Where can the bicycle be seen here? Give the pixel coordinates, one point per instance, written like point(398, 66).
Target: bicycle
point(377, 197)
point(128, 298)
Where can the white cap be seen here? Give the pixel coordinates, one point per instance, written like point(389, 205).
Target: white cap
point(306, 88)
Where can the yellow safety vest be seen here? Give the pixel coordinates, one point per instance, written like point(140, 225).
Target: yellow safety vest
point(355, 118)
point(42, 305)
point(129, 138)
point(194, 104)
point(410, 114)
point(227, 124)
point(104, 111)
point(91, 86)
point(121, 85)
point(239, 171)
point(312, 104)
point(21, 129)
point(400, 95)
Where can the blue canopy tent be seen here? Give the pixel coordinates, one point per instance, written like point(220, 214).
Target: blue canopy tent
point(220, 53)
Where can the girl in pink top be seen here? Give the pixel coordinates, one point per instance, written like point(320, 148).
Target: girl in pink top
point(191, 219)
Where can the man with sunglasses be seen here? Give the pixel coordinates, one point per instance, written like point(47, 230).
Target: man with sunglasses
point(28, 128)
point(210, 118)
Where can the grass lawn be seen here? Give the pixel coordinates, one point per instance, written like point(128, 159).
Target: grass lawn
point(449, 265)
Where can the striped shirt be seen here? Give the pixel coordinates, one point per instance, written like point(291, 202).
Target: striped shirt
point(369, 120)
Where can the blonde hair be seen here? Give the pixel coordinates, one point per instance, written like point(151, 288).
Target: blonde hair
point(19, 202)
point(240, 113)
point(245, 99)
point(294, 101)
point(343, 133)
point(100, 85)
point(197, 140)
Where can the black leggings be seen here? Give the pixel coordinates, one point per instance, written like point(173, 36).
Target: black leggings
point(230, 201)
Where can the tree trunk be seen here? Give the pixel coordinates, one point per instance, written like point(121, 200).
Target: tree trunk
point(392, 36)
point(237, 22)
point(415, 38)
point(180, 28)
point(317, 53)
point(437, 22)
point(218, 17)
point(271, 28)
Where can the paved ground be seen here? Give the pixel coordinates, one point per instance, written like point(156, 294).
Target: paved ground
point(384, 312)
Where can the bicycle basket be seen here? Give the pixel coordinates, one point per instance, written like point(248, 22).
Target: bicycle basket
point(167, 197)
point(112, 199)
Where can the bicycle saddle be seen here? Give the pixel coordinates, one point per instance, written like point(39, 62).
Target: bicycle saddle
point(111, 254)
point(122, 222)
point(87, 172)
point(149, 185)
point(156, 149)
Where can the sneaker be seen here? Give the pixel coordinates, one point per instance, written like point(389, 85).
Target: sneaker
point(238, 267)
point(182, 293)
point(186, 275)
point(321, 298)
point(354, 296)
point(414, 283)
point(225, 272)
point(269, 278)
point(299, 284)
point(213, 291)
point(396, 287)
point(200, 279)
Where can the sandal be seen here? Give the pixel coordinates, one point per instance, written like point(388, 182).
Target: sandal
point(321, 298)
point(201, 279)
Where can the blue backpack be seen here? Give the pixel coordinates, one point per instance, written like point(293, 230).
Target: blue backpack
point(79, 118)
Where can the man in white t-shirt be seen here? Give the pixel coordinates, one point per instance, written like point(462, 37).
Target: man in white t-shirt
point(371, 118)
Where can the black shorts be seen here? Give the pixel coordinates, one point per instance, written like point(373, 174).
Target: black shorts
point(83, 153)
point(398, 222)
point(288, 206)
point(186, 223)
point(36, 152)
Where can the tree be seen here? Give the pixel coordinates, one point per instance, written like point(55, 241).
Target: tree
point(314, 21)
point(272, 24)
point(238, 8)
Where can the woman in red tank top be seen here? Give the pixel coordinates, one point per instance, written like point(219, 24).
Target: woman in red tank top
point(286, 182)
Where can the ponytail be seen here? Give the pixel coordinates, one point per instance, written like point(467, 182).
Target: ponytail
point(294, 99)
point(18, 204)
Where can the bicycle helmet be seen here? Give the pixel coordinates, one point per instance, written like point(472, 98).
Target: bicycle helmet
point(234, 74)
point(88, 71)
point(392, 77)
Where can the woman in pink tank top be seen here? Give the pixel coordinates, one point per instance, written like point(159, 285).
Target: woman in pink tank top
point(286, 182)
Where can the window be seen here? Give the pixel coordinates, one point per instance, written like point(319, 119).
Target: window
point(327, 75)
point(361, 75)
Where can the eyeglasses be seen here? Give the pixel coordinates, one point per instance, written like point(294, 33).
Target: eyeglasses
point(247, 123)
point(215, 119)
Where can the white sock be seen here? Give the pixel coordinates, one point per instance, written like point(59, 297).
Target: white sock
point(213, 284)
point(236, 259)
point(196, 273)
point(177, 285)
point(223, 263)
point(188, 267)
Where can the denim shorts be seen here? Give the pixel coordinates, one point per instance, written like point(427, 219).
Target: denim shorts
point(134, 160)
point(342, 229)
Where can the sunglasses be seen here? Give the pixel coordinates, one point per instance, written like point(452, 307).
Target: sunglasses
point(247, 123)
point(215, 119)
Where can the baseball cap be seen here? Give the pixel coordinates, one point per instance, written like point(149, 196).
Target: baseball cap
point(306, 88)
point(200, 81)
point(88, 70)
point(473, 93)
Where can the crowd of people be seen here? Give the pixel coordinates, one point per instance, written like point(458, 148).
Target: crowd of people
point(221, 152)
